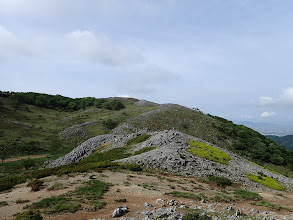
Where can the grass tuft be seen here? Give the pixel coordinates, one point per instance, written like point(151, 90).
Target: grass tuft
point(208, 152)
point(144, 150)
point(246, 195)
point(187, 195)
point(270, 205)
point(138, 139)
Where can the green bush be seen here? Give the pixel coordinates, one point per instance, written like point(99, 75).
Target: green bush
point(110, 124)
point(29, 215)
point(28, 163)
point(9, 182)
point(220, 181)
point(114, 105)
point(134, 167)
point(3, 203)
point(35, 185)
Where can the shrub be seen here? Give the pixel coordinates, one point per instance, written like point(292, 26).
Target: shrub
point(114, 105)
point(9, 182)
point(208, 152)
point(138, 139)
point(220, 181)
point(3, 203)
point(35, 184)
point(50, 202)
point(28, 163)
point(246, 195)
point(110, 124)
point(29, 215)
point(20, 201)
point(134, 167)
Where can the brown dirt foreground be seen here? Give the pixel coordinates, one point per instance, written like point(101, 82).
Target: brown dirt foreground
point(137, 189)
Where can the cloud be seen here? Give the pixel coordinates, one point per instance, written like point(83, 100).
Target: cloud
point(265, 101)
point(268, 114)
point(246, 116)
point(12, 46)
point(287, 96)
point(98, 48)
point(146, 79)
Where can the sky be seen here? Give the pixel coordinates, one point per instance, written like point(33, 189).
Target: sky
point(230, 58)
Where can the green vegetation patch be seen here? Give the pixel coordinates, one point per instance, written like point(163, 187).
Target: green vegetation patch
point(221, 197)
point(197, 216)
point(187, 195)
point(208, 152)
point(220, 181)
point(144, 150)
point(93, 190)
point(29, 215)
point(265, 180)
point(270, 205)
point(138, 139)
point(3, 203)
point(110, 155)
point(246, 195)
point(9, 182)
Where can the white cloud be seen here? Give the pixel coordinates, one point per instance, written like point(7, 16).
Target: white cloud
point(287, 96)
point(268, 114)
point(123, 96)
point(100, 49)
point(148, 78)
point(12, 46)
point(265, 101)
point(246, 116)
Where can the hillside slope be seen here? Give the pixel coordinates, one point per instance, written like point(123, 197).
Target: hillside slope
point(285, 141)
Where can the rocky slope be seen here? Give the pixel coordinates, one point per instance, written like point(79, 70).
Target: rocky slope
point(170, 155)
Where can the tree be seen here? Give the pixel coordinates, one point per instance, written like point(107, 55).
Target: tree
point(28, 163)
point(114, 105)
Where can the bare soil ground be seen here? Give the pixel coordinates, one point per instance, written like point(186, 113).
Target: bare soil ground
point(137, 189)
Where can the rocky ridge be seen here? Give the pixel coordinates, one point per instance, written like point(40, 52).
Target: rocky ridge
point(170, 155)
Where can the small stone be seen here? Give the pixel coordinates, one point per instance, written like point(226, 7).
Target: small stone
point(148, 205)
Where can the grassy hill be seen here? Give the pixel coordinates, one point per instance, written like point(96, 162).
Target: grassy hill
point(31, 122)
point(285, 141)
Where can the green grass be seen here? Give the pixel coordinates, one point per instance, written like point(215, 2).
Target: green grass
point(93, 190)
point(221, 197)
point(208, 152)
point(220, 181)
point(270, 205)
point(266, 181)
point(144, 150)
point(246, 195)
point(3, 203)
point(138, 139)
point(110, 155)
point(186, 195)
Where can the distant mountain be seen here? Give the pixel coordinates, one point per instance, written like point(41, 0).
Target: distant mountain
point(278, 129)
point(285, 141)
